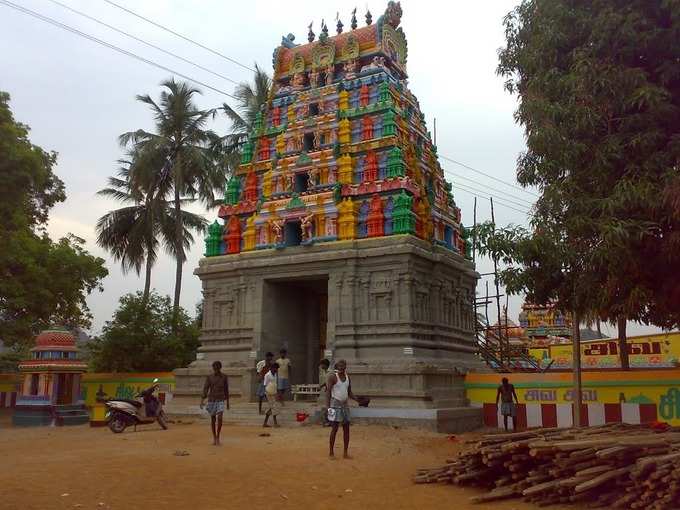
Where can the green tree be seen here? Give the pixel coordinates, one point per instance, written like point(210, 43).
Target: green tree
point(183, 143)
point(542, 263)
point(143, 336)
point(250, 99)
point(134, 233)
point(10, 359)
point(41, 281)
point(599, 90)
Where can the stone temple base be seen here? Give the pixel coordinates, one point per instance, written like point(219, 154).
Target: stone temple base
point(398, 309)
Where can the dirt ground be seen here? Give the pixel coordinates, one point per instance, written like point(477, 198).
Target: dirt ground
point(91, 468)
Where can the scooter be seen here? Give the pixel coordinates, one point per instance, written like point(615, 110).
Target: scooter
point(121, 413)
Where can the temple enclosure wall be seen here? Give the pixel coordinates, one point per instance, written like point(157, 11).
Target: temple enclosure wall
point(397, 308)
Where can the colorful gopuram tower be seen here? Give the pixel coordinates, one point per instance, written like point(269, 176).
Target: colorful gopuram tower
point(339, 236)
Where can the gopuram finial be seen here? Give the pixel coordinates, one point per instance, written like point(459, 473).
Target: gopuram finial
point(324, 28)
point(354, 19)
point(310, 34)
point(369, 17)
point(339, 25)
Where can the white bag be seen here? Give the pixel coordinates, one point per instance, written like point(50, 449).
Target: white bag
point(271, 388)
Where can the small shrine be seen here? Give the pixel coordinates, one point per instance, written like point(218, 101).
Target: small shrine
point(50, 387)
point(339, 236)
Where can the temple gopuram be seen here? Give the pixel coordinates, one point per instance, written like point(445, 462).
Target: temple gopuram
point(339, 236)
point(545, 324)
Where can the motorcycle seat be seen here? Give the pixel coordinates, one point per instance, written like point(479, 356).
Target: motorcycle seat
point(133, 402)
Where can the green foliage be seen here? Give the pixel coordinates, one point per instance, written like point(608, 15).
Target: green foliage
point(599, 89)
point(9, 360)
point(250, 99)
point(41, 281)
point(133, 233)
point(182, 155)
point(141, 337)
point(29, 187)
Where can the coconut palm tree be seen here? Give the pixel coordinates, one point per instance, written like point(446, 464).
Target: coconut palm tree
point(250, 98)
point(134, 233)
point(182, 141)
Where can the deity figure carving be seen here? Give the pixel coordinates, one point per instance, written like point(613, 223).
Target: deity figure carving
point(317, 138)
point(277, 230)
point(290, 144)
point(330, 70)
point(298, 81)
point(350, 69)
point(313, 174)
point(314, 79)
point(307, 225)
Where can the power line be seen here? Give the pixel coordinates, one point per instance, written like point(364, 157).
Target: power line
point(467, 188)
point(460, 188)
point(56, 23)
point(179, 35)
point(515, 197)
point(497, 197)
point(143, 41)
point(487, 175)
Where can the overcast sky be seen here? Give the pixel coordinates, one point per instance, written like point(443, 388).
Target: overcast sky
point(78, 96)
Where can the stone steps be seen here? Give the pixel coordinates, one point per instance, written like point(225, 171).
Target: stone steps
point(454, 419)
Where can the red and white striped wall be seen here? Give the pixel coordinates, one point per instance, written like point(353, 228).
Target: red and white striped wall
point(561, 415)
point(8, 399)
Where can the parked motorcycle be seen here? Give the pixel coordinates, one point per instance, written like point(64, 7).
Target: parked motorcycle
point(121, 413)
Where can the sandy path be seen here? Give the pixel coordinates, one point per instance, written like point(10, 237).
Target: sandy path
point(289, 469)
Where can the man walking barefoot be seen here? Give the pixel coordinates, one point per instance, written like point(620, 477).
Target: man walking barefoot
point(271, 388)
point(505, 393)
point(338, 393)
point(285, 367)
point(262, 368)
point(216, 390)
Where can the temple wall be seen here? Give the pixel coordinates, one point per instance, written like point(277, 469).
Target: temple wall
point(399, 311)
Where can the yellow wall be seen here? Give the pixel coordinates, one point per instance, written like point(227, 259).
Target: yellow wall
point(9, 382)
point(96, 387)
point(648, 351)
point(660, 387)
point(122, 385)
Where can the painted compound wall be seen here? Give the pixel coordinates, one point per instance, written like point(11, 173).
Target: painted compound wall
point(95, 388)
point(9, 387)
point(631, 396)
point(648, 351)
point(98, 387)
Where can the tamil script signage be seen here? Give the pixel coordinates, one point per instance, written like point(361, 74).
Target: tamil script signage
point(653, 351)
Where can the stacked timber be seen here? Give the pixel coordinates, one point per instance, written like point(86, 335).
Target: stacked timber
point(613, 466)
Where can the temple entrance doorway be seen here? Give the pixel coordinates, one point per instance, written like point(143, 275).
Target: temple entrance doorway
point(64, 389)
point(295, 317)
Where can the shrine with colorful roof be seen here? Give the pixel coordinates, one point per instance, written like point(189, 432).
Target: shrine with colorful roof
point(50, 389)
point(340, 152)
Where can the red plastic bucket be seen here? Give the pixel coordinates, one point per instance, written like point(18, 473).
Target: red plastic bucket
point(301, 416)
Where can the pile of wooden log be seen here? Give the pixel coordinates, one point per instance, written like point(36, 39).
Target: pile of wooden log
point(613, 466)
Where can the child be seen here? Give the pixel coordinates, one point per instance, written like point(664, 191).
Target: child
point(262, 368)
point(324, 365)
point(271, 385)
point(284, 373)
point(338, 393)
point(216, 390)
